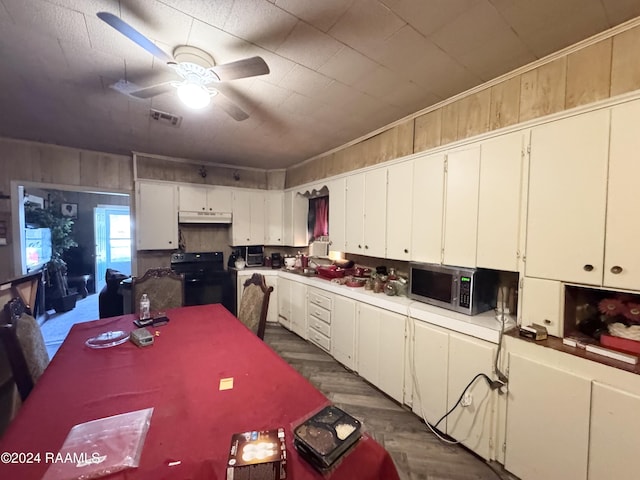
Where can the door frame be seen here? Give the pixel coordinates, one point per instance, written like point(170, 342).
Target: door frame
point(17, 214)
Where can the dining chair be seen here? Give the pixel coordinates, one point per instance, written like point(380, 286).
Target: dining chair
point(163, 286)
point(24, 346)
point(254, 304)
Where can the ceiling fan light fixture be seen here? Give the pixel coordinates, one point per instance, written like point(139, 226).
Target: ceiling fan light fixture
point(193, 95)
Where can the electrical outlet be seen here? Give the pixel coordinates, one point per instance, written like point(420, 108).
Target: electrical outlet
point(467, 400)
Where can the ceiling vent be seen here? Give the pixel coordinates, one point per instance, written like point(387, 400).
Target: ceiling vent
point(166, 118)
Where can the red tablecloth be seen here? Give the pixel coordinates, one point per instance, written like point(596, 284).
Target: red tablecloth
point(179, 376)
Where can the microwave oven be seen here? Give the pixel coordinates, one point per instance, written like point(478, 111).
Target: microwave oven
point(465, 290)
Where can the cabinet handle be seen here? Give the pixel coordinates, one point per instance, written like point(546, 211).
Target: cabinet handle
point(366, 247)
point(359, 246)
point(406, 250)
point(170, 242)
point(547, 321)
point(616, 270)
point(203, 208)
point(588, 267)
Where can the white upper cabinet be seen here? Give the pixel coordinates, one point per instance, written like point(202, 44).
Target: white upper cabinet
point(427, 208)
point(355, 212)
point(156, 216)
point(461, 206)
point(375, 212)
point(296, 211)
point(204, 199)
point(337, 214)
point(567, 199)
point(500, 201)
point(622, 256)
point(247, 227)
point(274, 214)
point(399, 208)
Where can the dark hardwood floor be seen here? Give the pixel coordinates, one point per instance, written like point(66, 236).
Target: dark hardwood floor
point(417, 453)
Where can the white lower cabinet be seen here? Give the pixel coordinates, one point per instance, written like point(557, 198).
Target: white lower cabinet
point(343, 329)
point(284, 302)
point(299, 309)
point(472, 425)
point(614, 434)
point(381, 349)
point(547, 432)
point(430, 368)
point(443, 364)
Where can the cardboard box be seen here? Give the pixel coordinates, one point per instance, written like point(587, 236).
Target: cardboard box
point(257, 455)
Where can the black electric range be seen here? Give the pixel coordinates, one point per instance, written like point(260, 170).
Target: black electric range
point(205, 279)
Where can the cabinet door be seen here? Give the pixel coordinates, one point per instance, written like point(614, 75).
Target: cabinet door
point(473, 424)
point(296, 211)
point(542, 304)
point(343, 331)
point(156, 216)
point(241, 225)
point(274, 204)
point(461, 207)
point(257, 218)
point(427, 209)
point(219, 199)
point(299, 309)
point(368, 327)
point(614, 434)
point(375, 212)
point(337, 214)
point(621, 256)
point(567, 199)
point(284, 302)
point(355, 214)
point(499, 202)
point(399, 204)
point(431, 368)
point(391, 351)
point(548, 414)
point(192, 199)
point(272, 311)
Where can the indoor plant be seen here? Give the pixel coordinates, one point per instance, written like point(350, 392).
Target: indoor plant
point(57, 293)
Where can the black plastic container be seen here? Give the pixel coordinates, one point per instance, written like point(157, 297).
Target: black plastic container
point(324, 438)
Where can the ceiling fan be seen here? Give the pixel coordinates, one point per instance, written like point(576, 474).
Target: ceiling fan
point(196, 68)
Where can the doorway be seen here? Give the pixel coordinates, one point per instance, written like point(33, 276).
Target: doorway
point(112, 230)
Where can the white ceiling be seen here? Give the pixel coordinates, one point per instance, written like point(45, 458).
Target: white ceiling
point(339, 68)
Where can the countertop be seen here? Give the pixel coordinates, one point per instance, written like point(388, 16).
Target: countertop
point(484, 326)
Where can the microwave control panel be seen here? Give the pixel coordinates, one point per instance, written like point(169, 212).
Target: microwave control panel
point(464, 298)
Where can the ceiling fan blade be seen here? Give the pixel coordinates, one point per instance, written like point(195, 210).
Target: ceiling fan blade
point(248, 67)
point(153, 90)
point(135, 36)
point(230, 107)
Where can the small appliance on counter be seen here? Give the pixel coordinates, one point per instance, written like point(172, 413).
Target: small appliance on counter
point(276, 260)
point(235, 254)
point(253, 255)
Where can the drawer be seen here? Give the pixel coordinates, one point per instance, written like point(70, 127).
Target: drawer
point(320, 340)
point(319, 299)
point(319, 312)
point(320, 326)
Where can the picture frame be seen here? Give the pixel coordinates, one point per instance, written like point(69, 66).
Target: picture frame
point(69, 210)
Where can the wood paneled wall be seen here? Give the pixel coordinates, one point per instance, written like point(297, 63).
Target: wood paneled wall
point(598, 71)
point(52, 164)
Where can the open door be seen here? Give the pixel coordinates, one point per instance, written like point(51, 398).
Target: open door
point(113, 241)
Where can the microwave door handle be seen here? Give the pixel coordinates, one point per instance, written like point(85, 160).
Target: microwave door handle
point(455, 291)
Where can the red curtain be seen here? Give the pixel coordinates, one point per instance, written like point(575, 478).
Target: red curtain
point(321, 226)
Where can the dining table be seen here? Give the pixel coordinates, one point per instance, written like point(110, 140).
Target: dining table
point(206, 376)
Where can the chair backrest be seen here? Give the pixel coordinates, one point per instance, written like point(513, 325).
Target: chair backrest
point(24, 346)
point(163, 286)
point(254, 304)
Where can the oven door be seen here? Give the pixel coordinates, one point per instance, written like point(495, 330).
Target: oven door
point(203, 291)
